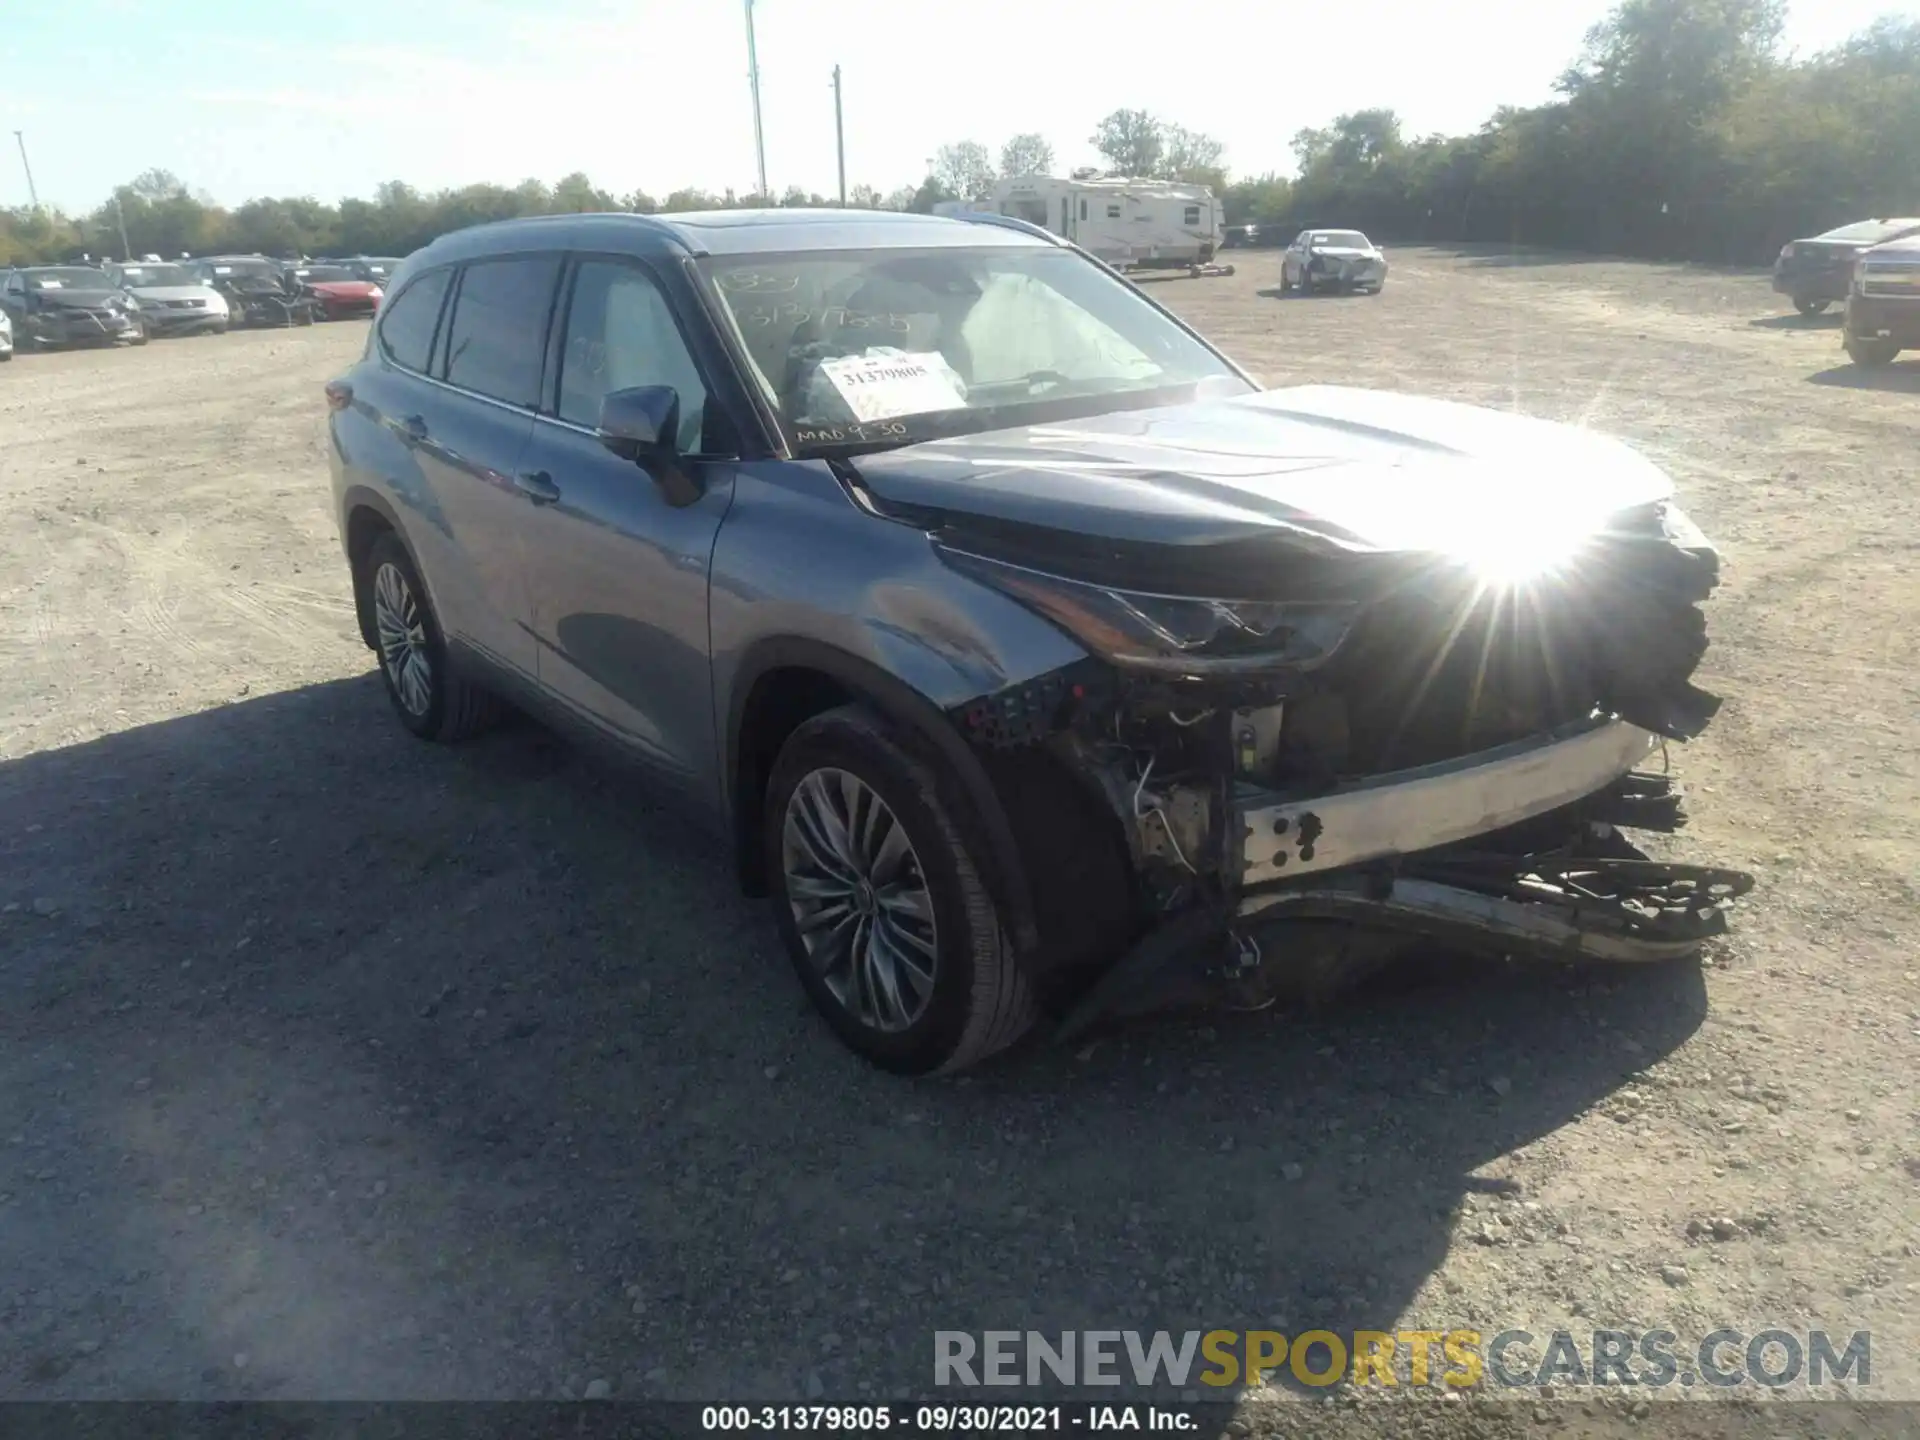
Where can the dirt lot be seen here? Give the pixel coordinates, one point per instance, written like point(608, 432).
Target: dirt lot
point(336, 1065)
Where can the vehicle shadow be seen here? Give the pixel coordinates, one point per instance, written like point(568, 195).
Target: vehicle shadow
point(342, 1066)
point(1900, 378)
point(1826, 320)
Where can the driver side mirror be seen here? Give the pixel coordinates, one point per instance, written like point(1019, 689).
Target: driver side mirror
point(642, 425)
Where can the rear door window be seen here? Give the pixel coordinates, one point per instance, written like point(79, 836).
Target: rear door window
point(407, 323)
point(497, 335)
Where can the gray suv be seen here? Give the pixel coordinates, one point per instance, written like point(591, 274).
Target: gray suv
point(1034, 660)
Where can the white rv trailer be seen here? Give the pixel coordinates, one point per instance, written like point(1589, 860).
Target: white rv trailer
point(1126, 222)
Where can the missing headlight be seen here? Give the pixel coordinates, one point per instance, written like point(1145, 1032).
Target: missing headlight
point(1173, 635)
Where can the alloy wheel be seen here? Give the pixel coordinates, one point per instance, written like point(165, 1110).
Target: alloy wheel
point(859, 899)
point(402, 633)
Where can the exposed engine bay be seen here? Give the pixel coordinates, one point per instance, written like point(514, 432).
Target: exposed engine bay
point(1385, 752)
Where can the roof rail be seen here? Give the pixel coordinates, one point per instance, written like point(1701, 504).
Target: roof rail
point(1006, 222)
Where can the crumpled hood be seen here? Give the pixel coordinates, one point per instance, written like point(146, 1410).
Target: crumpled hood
point(1333, 468)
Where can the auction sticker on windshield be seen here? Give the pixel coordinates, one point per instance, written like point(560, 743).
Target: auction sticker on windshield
point(881, 386)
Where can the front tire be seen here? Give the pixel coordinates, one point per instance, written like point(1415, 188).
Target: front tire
point(1810, 307)
point(880, 902)
point(431, 701)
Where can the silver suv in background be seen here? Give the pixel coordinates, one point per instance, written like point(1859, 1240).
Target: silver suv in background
point(1034, 661)
point(173, 300)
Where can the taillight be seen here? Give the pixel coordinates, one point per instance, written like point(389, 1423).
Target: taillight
point(339, 394)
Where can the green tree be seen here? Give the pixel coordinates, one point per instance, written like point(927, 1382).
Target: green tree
point(965, 170)
point(1026, 154)
point(1132, 141)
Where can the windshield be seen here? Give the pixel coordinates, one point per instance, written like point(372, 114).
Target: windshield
point(75, 278)
point(888, 347)
point(1341, 239)
point(235, 269)
point(139, 275)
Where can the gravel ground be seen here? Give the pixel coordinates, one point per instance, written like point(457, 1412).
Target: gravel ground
point(336, 1065)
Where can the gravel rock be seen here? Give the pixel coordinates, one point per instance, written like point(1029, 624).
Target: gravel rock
point(1675, 1274)
point(598, 1390)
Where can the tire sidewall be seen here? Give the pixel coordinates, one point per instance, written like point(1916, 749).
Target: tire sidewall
point(388, 550)
point(858, 743)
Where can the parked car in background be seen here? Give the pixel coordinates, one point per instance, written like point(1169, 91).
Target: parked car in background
point(256, 290)
point(377, 268)
point(57, 305)
point(1883, 304)
point(1816, 272)
point(173, 300)
point(6, 335)
point(337, 293)
point(1333, 260)
point(1006, 628)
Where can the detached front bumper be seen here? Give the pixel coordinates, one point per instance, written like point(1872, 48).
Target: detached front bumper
point(181, 318)
point(1407, 811)
point(76, 327)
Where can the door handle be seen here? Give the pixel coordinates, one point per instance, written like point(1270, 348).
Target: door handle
point(537, 487)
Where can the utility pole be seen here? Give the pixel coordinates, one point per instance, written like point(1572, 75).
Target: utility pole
point(32, 194)
point(839, 135)
point(753, 80)
point(126, 245)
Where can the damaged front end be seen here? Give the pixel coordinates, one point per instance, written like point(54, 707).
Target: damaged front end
point(1360, 753)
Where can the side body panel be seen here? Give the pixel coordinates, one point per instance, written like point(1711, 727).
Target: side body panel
point(446, 461)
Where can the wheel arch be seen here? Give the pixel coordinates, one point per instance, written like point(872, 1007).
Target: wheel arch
point(781, 682)
point(365, 515)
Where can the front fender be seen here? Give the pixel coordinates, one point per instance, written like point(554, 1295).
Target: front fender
point(805, 579)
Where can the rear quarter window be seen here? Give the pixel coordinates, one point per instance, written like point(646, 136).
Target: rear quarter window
point(407, 321)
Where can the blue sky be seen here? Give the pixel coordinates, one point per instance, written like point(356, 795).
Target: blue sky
point(242, 99)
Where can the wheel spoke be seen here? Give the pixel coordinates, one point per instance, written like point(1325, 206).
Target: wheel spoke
point(891, 853)
point(889, 970)
point(915, 950)
point(859, 899)
point(807, 832)
point(906, 901)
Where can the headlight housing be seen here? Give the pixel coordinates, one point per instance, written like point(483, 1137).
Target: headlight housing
point(376, 293)
point(1174, 636)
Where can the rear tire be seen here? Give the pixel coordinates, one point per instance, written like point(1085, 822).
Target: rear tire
point(1872, 354)
point(431, 700)
point(880, 903)
point(1810, 307)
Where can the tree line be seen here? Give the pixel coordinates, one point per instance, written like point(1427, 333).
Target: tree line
point(1679, 132)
